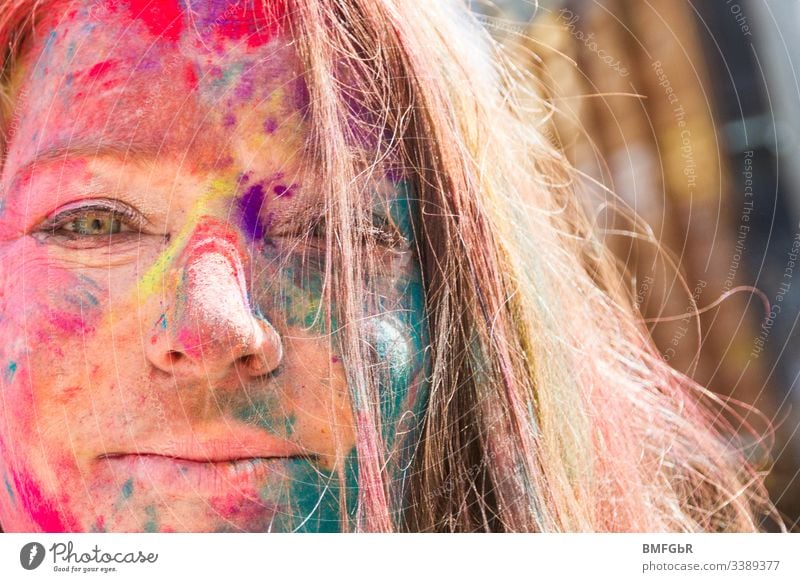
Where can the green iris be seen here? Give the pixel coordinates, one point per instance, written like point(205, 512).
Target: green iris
point(95, 223)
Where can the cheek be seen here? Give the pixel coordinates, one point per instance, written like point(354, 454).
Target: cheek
point(49, 303)
point(49, 317)
point(290, 290)
point(311, 403)
point(400, 337)
point(49, 313)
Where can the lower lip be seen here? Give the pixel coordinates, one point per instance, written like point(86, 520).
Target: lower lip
point(170, 476)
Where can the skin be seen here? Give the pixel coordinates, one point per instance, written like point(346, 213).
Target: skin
point(166, 364)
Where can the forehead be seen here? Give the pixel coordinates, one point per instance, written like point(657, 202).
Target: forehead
point(219, 83)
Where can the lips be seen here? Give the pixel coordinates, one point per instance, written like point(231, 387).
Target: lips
point(214, 443)
point(207, 463)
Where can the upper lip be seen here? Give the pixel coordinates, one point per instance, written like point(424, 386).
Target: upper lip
point(216, 445)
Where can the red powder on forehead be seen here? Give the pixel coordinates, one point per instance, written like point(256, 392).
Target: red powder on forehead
point(191, 76)
point(256, 20)
point(163, 18)
point(101, 69)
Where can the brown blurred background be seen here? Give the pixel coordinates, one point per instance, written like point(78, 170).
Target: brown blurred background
point(689, 112)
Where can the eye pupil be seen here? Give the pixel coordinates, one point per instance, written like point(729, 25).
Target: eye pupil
point(95, 224)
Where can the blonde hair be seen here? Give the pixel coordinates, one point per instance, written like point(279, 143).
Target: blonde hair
point(549, 407)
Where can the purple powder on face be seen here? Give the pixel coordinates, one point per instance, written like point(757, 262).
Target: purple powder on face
point(229, 120)
point(148, 65)
point(270, 125)
point(301, 97)
point(244, 91)
point(250, 207)
point(282, 191)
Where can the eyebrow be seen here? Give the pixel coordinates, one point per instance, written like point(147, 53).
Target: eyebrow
point(85, 148)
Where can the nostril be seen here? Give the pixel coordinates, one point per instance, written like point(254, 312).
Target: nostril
point(258, 365)
point(173, 357)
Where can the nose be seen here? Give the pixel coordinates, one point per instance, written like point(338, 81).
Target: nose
point(211, 328)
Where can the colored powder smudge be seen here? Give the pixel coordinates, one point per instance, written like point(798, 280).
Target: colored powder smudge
point(282, 191)
point(100, 69)
point(301, 96)
point(270, 126)
point(244, 91)
point(48, 43)
point(151, 525)
point(266, 415)
point(191, 77)
point(257, 21)
point(163, 18)
point(85, 299)
point(250, 207)
point(312, 500)
point(40, 509)
point(288, 424)
point(127, 488)
point(70, 323)
point(11, 370)
point(10, 491)
point(152, 280)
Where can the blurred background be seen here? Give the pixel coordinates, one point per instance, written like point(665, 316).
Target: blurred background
point(689, 112)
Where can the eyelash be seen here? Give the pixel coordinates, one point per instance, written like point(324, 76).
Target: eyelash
point(382, 232)
point(108, 209)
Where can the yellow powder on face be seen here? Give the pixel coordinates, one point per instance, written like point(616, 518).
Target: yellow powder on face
point(153, 280)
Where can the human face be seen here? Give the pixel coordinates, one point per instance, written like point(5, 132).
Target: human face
point(167, 363)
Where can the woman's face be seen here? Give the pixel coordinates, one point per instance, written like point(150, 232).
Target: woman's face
point(165, 359)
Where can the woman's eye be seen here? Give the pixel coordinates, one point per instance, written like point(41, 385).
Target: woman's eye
point(94, 223)
point(384, 232)
point(381, 231)
point(90, 225)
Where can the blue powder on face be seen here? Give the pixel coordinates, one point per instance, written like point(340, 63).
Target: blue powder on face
point(10, 491)
point(11, 370)
point(127, 488)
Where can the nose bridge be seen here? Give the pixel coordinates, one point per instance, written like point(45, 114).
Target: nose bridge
point(213, 286)
point(212, 305)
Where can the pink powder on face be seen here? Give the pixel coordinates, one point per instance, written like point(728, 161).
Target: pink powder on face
point(270, 126)
point(101, 69)
point(41, 510)
point(72, 323)
point(257, 21)
point(191, 77)
point(163, 18)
